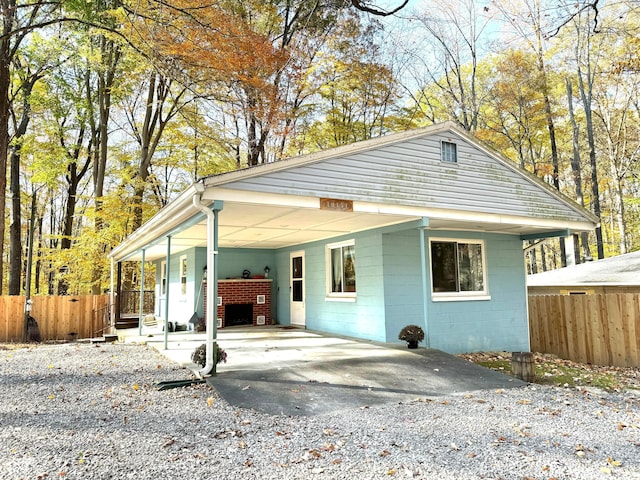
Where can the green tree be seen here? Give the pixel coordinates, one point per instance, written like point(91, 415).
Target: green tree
point(19, 19)
point(527, 18)
point(514, 114)
point(357, 92)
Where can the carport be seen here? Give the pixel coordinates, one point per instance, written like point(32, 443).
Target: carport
point(290, 371)
point(361, 240)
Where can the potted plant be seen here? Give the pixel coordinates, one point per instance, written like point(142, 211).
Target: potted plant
point(412, 334)
point(199, 355)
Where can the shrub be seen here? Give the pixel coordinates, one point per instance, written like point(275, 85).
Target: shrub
point(199, 355)
point(411, 333)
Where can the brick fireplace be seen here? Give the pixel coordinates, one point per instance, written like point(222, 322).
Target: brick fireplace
point(238, 297)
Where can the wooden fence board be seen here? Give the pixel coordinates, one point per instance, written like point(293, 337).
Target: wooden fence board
point(588, 328)
point(58, 317)
point(11, 319)
point(573, 313)
point(598, 355)
point(611, 319)
point(634, 330)
point(602, 329)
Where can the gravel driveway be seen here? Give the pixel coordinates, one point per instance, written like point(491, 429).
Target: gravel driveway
point(93, 411)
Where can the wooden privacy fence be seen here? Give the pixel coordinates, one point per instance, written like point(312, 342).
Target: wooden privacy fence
point(58, 317)
point(601, 329)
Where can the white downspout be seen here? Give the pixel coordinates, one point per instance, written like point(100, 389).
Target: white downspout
point(425, 292)
point(112, 298)
point(212, 277)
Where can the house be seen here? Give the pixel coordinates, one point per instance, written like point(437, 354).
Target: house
point(619, 274)
point(423, 227)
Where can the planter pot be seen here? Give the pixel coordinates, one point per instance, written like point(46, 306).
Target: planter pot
point(412, 345)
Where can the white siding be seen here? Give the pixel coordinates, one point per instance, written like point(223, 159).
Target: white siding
point(411, 173)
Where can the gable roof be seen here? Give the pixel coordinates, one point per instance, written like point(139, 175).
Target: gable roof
point(390, 180)
point(405, 169)
point(618, 270)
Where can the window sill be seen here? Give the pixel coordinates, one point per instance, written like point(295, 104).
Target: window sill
point(349, 299)
point(459, 298)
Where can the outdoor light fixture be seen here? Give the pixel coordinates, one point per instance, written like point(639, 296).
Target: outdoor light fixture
point(266, 271)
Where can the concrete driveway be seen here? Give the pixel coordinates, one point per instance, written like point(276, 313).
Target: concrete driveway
point(289, 371)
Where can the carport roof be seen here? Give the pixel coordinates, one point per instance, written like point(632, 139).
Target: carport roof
point(383, 182)
point(619, 270)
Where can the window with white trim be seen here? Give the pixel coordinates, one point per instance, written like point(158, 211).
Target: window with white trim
point(163, 277)
point(458, 268)
point(341, 269)
point(448, 152)
point(183, 275)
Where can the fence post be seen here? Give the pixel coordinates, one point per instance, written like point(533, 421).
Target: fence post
point(522, 366)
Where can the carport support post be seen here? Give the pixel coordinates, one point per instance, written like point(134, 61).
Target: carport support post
point(423, 264)
point(112, 297)
point(212, 283)
point(166, 294)
point(141, 313)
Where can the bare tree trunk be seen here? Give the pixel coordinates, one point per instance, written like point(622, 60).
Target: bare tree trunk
point(150, 132)
point(595, 188)
point(534, 261)
point(550, 128)
point(74, 176)
point(619, 209)
point(111, 54)
point(585, 84)
point(8, 8)
point(253, 153)
point(38, 269)
point(575, 168)
point(616, 151)
point(15, 229)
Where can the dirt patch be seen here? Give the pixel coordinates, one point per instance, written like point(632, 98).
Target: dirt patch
point(552, 370)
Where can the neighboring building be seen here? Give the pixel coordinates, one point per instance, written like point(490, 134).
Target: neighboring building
point(424, 227)
point(620, 274)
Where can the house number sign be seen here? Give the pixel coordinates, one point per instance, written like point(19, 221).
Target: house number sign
point(336, 205)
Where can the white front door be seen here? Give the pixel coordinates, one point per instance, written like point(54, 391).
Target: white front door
point(296, 288)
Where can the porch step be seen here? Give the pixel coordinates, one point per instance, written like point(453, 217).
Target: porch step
point(108, 338)
point(127, 323)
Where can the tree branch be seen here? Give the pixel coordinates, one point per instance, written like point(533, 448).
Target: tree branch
point(365, 7)
point(590, 5)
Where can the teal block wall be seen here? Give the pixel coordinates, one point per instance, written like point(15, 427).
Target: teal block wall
point(233, 261)
point(402, 281)
point(389, 290)
point(281, 287)
point(484, 325)
point(363, 318)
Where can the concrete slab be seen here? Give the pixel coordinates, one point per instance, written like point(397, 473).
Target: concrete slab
point(297, 372)
point(290, 371)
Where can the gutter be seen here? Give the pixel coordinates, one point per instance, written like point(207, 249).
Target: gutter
point(212, 283)
point(161, 224)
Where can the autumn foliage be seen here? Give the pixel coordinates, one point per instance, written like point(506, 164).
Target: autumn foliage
point(205, 43)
